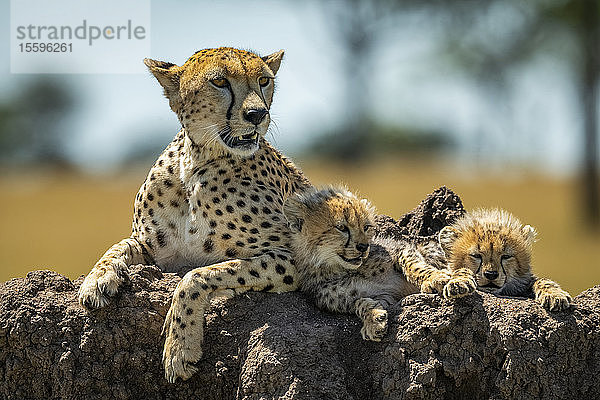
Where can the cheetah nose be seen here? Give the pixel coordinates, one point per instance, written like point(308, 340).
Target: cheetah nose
point(490, 275)
point(362, 247)
point(255, 115)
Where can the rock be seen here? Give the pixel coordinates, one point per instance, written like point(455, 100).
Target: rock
point(267, 346)
point(438, 209)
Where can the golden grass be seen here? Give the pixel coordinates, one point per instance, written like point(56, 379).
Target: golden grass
point(78, 217)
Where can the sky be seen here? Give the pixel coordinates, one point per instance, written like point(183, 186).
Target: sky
point(411, 86)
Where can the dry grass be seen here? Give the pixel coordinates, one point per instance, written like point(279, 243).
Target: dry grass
point(79, 217)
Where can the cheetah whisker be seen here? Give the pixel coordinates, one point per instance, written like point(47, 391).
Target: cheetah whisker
point(273, 126)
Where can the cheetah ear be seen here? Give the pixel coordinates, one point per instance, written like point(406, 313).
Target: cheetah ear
point(446, 237)
point(274, 60)
point(167, 74)
point(294, 211)
point(529, 233)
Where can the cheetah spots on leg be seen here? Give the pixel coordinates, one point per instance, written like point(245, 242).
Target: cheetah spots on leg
point(183, 335)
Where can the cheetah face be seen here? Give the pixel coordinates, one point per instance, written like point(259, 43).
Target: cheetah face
point(222, 97)
point(332, 226)
point(493, 244)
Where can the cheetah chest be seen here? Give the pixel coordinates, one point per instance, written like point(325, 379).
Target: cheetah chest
point(232, 213)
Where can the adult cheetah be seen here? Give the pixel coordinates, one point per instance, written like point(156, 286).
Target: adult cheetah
point(213, 198)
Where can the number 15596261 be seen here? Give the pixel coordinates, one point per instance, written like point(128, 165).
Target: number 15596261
point(46, 47)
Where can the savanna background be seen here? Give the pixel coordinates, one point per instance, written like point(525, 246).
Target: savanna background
point(496, 100)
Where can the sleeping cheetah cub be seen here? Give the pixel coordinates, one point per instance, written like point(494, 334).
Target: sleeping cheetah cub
point(497, 248)
point(345, 270)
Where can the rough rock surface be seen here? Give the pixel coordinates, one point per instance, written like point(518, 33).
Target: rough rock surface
point(269, 346)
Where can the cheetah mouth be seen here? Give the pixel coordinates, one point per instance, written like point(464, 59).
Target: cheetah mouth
point(244, 142)
point(354, 261)
point(490, 285)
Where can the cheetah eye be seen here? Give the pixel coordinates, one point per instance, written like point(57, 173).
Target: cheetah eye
point(341, 228)
point(505, 257)
point(476, 256)
point(220, 82)
point(264, 81)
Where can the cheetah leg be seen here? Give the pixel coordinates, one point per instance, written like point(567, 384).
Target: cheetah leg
point(418, 272)
point(183, 327)
point(110, 272)
point(550, 295)
point(374, 318)
point(462, 283)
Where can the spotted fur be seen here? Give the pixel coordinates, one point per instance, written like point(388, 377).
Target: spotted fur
point(496, 249)
point(210, 206)
point(345, 269)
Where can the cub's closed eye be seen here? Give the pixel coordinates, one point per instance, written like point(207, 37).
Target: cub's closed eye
point(476, 256)
point(220, 82)
point(506, 257)
point(264, 81)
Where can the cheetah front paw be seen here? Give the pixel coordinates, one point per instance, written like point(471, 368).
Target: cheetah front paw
point(554, 299)
point(435, 282)
point(101, 284)
point(375, 325)
point(459, 286)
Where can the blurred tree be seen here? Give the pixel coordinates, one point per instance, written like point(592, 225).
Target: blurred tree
point(381, 140)
point(486, 40)
point(356, 25)
point(589, 37)
point(495, 36)
point(32, 123)
point(352, 29)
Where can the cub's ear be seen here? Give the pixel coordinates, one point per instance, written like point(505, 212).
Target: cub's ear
point(274, 60)
point(529, 233)
point(446, 237)
point(167, 74)
point(368, 206)
point(294, 211)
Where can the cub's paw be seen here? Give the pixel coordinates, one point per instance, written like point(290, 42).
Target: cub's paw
point(100, 284)
point(375, 325)
point(554, 299)
point(436, 282)
point(461, 284)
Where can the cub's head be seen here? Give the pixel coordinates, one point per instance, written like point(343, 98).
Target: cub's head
point(221, 96)
point(492, 243)
point(330, 226)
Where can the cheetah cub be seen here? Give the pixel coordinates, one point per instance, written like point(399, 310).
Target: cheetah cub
point(497, 248)
point(346, 270)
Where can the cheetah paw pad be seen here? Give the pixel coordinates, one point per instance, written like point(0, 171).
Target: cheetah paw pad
point(459, 287)
point(555, 299)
